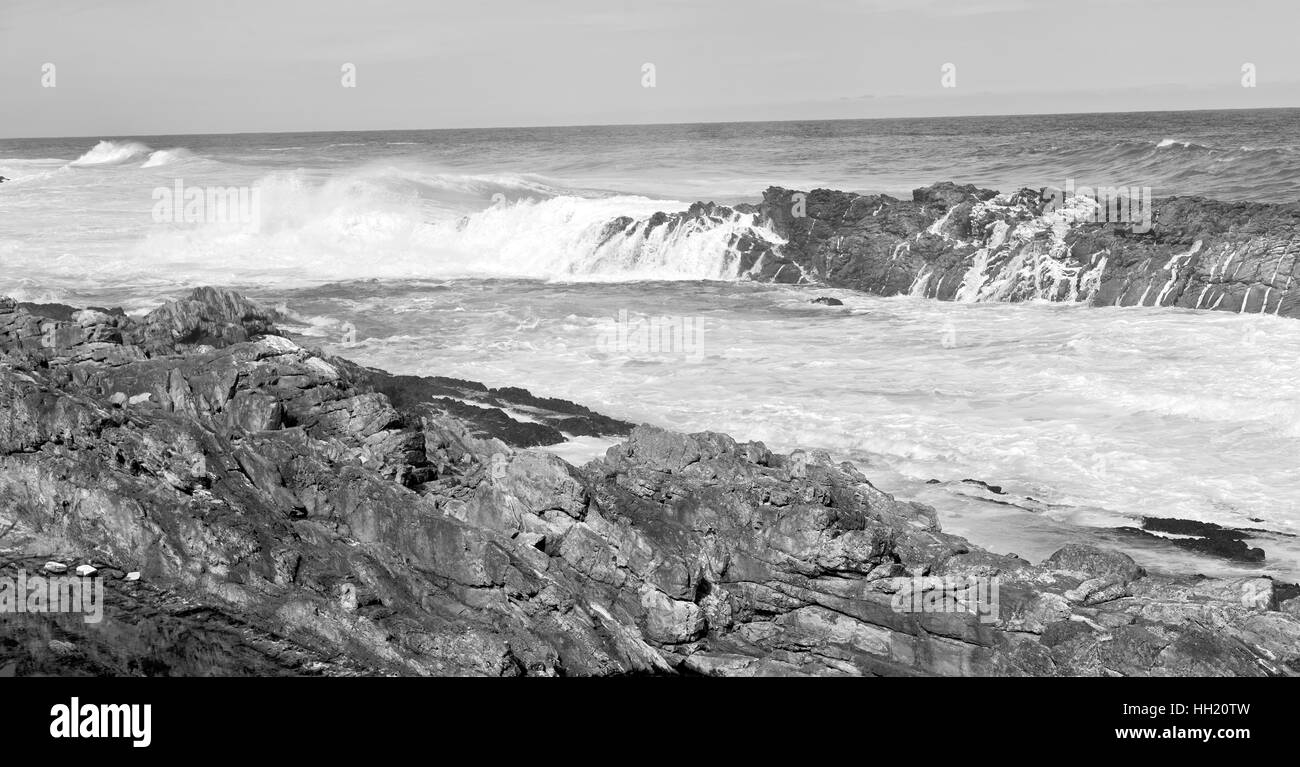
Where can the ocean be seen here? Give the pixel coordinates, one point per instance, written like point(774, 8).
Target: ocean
point(479, 254)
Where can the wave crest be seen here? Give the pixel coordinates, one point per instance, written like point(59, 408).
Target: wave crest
point(111, 153)
point(378, 225)
point(167, 157)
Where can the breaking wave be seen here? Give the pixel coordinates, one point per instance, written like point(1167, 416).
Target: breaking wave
point(167, 157)
point(111, 153)
point(401, 224)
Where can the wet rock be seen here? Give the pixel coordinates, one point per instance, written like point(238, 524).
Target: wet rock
point(515, 416)
point(1026, 245)
point(1202, 537)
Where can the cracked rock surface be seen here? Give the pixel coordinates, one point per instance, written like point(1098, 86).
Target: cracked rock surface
point(290, 512)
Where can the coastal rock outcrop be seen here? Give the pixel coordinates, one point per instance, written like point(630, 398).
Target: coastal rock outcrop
point(290, 512)
point(962, 243)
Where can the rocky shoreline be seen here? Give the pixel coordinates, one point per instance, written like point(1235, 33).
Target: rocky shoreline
point(954, 242)
point(291, 512)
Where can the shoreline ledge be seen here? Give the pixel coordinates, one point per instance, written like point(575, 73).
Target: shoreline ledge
point(282, 511)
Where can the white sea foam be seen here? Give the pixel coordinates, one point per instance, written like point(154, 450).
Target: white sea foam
point(110, 153)
point(167, 157)
point(377, 223)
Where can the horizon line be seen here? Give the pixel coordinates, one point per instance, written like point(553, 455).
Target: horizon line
point(650, 124)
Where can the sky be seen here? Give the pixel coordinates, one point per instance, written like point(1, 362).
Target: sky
point(151, 67)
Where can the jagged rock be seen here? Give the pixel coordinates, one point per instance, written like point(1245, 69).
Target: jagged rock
point(1203, 537)
point(955, 242)
point(209, 317)
point(287, 512)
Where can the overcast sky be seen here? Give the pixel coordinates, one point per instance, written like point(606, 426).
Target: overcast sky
point(140, 67)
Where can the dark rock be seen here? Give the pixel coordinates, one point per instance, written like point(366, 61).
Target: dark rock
point(294, 513)
point(208, 317)
point(549, 420)
point(826, 301)
point(1208, 538)
point(995, 489)
point(1181, 251)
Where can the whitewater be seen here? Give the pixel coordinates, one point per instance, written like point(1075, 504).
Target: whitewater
point(487, 255)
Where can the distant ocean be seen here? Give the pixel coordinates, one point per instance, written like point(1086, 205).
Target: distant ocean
point(478, 254)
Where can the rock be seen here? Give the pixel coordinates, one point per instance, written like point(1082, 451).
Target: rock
point(60, 647)
point(209, 317)
point(995, 489)
point(1096, 563)
point(55, 567)
point(1097, 590)
point(1202, 537)
point(1033, 611)
point(300, 514)
point(86, 571)
point(826, 301)
point(1065, 631)
point(492, 413)
point(671, 621)
point(1179, 251)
